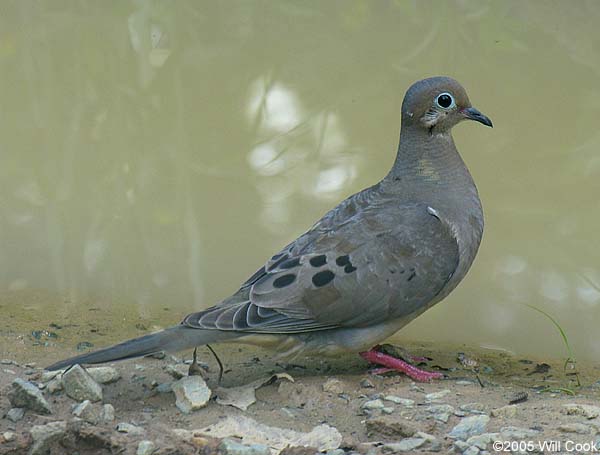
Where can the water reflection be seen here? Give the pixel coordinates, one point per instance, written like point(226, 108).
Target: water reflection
point(153, 154)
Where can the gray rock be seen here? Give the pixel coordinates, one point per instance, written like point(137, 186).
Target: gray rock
point(24, 394)
point(387, 410)
point(8, 436)
point(517, 433)
point(8, 362)
point(469, 426)
point(373, 404)
point(390, 428)
point(335, 452)
point(471, 451)
point(505, 411)
point(231, 447)
point(333, 385)
point(15, 414)
point(473, 408)
point(55, 385)
point(191, 393)
point(128, 428)
point(165, 387)
point(87, 411)
point(44, 435)
point(366, 384)
point(441, 412)
point(586, 410)
point(481, 441)
point(47, 376)
point(461, 446)
point(80, 386)
point(145, 448)
point(104, 375)
point(579, 428)
point(436, 396)
point(406, 445)
point(403, 401)
point(108, 413)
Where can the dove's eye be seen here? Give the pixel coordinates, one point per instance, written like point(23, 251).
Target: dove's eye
point(445, 101)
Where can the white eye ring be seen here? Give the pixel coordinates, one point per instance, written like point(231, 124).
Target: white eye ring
point(445, 100)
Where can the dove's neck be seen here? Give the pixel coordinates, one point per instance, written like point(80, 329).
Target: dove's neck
point(429, 166)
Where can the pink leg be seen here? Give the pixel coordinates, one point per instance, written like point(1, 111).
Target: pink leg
point(393, 363)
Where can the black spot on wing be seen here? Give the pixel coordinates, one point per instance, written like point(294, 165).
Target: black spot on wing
point(349, 268)
point(322, 278)
point(318, 261)
point(283, 281)
point(278, 261)
point(342, 260)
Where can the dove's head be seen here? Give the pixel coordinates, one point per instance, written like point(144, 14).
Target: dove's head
point(437, 104)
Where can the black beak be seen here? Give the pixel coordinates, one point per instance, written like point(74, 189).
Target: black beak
point(473, 114)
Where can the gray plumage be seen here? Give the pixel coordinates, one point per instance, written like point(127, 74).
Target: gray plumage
point(369, 266)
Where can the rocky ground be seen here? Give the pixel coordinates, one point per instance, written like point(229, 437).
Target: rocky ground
point(490, 402)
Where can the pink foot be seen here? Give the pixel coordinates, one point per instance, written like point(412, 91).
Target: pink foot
point(392, 363)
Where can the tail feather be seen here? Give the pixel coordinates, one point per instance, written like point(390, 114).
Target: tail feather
point(171, 339)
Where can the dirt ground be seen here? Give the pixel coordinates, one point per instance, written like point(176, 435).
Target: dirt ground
point(331, 392)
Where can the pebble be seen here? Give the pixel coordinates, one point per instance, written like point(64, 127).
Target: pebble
point(469, 426)
point(367, 384)
point(387, 410)
point(403, 401)
point(473, 408)
point(177, 371)
point(24, 394)
point(54, 386)
point(389, 427)
point(80, 386)
point(8, 362)
point(87, 411)
point(44, 435)
point(8, 436)
point(373, 404)
point(104, 375)
point(579, 428)
point(464, 382)
point(231, 447)
point(128, 428)
point(406, 445)
point(145, 448)
point(517, 433)
point(15, 414)
point(505, 411)
point(482, 440)
point(471, 451)
point(165, 387)
point(586, 410)
point(441, 412)
point(436, 396)
point(191, 393)
point(108, 413)
point(333, 385)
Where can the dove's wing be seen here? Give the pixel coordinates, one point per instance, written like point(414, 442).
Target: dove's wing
point(359, 266)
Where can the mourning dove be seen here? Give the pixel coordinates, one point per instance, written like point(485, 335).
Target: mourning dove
point(368, 267)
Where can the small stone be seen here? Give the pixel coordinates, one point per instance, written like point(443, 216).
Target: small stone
point(87, 411)
point(104, 375)
point(128, 428)
point(55, 385)
point(586, 410)
point(366, 384)
point(145, 448)
point(8, 362)
point(230, 447)
point(177, 371)
point(461, 446)
point(462, 382)
point(15, 414)
point(333, 385)
point(469, 426)
point(373, 404)
point(403, 401)
point(517, 433)
point(8, 436)
point(471, 451)
point(473, 408)
point(481, 441)
point(406, 445)
point(80, 386)
point(191, 393)
point(390, 428)
point(436, 396)
point(579, 428)
point(165, 387)
point(387, 410)
point(441, 412)
point(108, 413)
point(44, 435)
point(505, 411)
point(24, 394)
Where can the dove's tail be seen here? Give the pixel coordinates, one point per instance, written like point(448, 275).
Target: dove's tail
point(171, 339)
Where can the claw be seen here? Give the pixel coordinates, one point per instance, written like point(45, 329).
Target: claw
point(392, 363)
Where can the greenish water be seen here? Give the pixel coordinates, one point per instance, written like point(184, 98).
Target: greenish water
point(154, 154)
